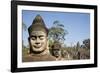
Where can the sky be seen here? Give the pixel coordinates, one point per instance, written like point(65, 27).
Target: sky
point(77, 24)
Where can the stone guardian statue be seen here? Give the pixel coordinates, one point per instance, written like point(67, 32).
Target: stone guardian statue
point(38, 33)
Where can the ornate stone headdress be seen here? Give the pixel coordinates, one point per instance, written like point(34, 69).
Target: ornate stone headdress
point(38, 25)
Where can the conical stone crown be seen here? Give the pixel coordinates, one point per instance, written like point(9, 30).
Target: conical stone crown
point(38, 25)
point(38, 20)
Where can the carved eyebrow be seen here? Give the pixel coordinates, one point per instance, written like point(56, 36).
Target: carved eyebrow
point(36, 36)
point(41, 35)
point(33, 36)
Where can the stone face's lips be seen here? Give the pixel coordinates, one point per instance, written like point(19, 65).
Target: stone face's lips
point(37, 46)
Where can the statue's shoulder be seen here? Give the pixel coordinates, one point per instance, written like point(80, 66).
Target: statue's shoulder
point(50, 57)
point(32, 58)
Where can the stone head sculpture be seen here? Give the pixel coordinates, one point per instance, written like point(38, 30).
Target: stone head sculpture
point(56, 49)
point(37, 35)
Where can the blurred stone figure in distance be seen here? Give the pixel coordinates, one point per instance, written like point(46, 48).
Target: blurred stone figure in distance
point(56, 50)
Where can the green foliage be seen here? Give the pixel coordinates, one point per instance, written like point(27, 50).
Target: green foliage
point(24, 26)
point(25, 51)
point(78, 45)
point(57, 31)
point(51, 42)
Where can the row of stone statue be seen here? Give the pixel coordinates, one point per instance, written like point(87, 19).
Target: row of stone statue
point(39, 50)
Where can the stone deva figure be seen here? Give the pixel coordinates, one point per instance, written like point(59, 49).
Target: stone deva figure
point(38, 41)
point(59, 53)
point(56, 51)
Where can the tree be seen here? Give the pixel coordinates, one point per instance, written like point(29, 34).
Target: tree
point(57, 32)
point(78, 45)
point(24, 26)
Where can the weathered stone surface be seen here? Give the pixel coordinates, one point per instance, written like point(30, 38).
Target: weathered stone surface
point(38, 42)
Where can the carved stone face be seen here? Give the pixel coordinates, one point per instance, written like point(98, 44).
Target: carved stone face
point(56, 52)
point(38, 41)
point(56, 49)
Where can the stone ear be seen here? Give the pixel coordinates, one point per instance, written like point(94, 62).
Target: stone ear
point(30, 49)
